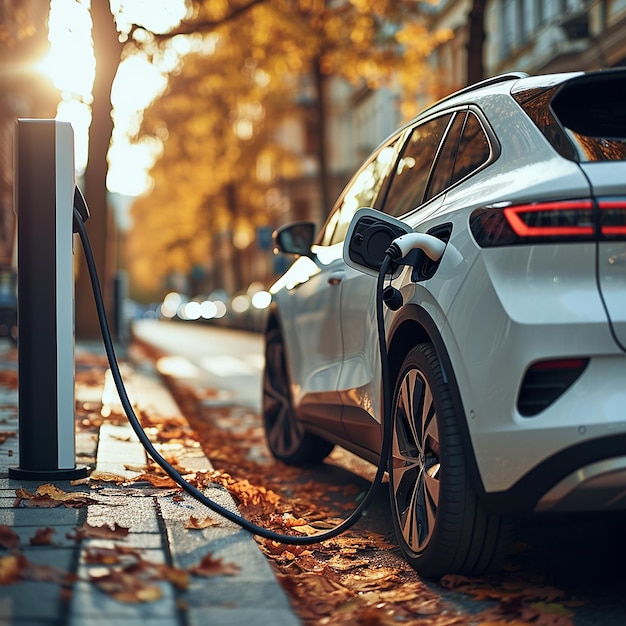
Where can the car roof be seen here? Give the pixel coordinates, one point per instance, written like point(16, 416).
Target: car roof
point(509, 82)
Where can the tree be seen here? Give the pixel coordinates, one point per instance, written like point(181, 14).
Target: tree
point(476, 39)
point(257, 59)
point(108, 51)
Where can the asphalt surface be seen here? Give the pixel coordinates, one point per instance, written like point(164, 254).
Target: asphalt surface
point(153, 523)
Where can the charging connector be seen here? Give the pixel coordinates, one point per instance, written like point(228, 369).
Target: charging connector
point(401, 247)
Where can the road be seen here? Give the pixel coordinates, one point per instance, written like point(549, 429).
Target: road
point(231, 361)
point(580, 556)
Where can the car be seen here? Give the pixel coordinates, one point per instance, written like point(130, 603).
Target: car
point(506, 354)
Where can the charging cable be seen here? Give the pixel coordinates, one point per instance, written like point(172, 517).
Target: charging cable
point(194, 492)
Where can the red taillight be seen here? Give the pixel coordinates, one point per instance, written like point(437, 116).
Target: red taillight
point(612, 217)
point(551, 219)
point(559, 364)
point(545, 222)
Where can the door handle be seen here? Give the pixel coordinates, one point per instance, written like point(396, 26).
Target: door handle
point(336, 277)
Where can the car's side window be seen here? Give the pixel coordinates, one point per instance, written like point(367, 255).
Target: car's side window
point(473, 151)
point(414, 165)
point(362, 191)
point(442, 172)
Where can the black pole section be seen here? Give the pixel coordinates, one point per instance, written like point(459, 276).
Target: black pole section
point(44, 192)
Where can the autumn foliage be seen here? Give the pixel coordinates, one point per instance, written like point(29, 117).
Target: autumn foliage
point(247, 71)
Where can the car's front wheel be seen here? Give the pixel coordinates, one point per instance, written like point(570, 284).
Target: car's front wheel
point(440, 524)
point(286, 438)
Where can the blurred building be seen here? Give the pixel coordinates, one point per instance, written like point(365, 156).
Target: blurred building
point(539, 36)
point(24, 93)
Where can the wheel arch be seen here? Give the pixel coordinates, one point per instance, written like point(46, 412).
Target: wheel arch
point(411, 326)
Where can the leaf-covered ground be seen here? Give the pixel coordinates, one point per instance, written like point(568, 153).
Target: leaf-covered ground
point(360, 576)
point(121, 572)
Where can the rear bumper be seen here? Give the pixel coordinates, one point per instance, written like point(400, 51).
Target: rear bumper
point(590, 476)
point(599, 486)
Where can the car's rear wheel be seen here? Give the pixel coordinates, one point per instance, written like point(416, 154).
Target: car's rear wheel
point(440, 524)
point(286, 438)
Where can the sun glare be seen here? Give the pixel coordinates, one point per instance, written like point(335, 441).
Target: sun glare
point(69, 27)
point(71, 66)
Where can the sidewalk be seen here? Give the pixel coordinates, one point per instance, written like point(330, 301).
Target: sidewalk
point(102, 525)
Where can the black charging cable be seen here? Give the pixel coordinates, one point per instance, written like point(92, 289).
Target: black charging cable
point(194, 492)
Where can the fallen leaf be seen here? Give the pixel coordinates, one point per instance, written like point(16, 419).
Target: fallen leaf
point(99, 532)
point(109, 556)
point(108, 477)
point(127, 587)
point(50, 496)
point(6, 434)
point(42, 537)
point(10, 569)
point(8, 537)
point(155, 480)
point(193, 523)
point(45, 573)
point(9, 379)
point(209, 566)
point(306, 529)
point(289, 521)
point(544, 614)
point(178, 577)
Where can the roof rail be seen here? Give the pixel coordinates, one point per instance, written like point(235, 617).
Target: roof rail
point(500, 78)
point(484, 83)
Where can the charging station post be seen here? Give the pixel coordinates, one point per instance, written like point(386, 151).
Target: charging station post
point(44, 201)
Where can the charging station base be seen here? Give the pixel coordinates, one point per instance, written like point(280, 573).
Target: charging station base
point(54, 474)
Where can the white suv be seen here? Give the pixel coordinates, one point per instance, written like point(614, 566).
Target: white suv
point(507, 354)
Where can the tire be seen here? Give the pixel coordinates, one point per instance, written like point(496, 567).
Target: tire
point(286, 438)
point(440, 525)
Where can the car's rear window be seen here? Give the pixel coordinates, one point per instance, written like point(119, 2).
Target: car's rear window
point(583, 117)
point(593, 114)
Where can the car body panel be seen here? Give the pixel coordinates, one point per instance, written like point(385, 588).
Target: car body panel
point(609, 180)
point(491, 358)
point(308, 300)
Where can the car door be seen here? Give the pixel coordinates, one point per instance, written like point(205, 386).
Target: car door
point(311, 299)
point(409, 189)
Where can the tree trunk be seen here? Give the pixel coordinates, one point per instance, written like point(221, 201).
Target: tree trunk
point(320, 110)
point(100, 226)
point(476, 39)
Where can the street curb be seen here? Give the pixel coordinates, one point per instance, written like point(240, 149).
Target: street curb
point(253, 593)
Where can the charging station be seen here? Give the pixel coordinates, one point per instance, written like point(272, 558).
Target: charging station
point(44, 200)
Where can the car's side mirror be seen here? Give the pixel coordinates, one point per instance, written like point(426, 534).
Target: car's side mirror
point(369, 235)
point(295, 238)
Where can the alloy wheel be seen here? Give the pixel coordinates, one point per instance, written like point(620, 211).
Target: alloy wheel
point(415, 460)
point(282, 429)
